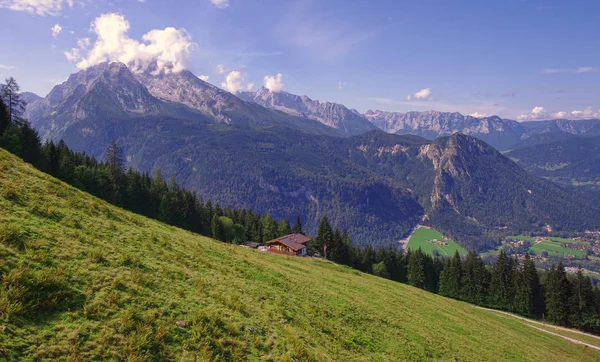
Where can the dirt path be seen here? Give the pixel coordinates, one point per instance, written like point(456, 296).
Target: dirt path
point(532, 323)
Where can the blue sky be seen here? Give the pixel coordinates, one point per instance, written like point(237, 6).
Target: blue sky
point(526, 59)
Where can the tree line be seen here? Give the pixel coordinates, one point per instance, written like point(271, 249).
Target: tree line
point(509, 284)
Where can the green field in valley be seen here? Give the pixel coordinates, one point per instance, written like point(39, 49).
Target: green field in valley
point(423, 237)
point(553, 246)
point(81, 280)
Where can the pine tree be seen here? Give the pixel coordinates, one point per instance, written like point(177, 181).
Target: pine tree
point(416, 269)
point(269, 228)
point(217, 228)
point(114, 157)
point(583, 315)
point(558, 291)
point(324, 236)
point(297, 229)
point(283, 228)
point(345, 252)
point(528, 298)
point(10, 94)
point(451, 277)
point(501, 285)
point(4, 117)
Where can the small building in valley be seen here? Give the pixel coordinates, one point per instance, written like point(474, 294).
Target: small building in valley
point(293, 244)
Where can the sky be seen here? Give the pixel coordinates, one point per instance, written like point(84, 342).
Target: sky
point(519, 59)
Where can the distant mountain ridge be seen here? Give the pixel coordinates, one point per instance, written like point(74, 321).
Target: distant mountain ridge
point(431, 124)
point(331, 114)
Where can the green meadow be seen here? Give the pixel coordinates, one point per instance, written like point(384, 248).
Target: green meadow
point(81, 280)
point(422, 238)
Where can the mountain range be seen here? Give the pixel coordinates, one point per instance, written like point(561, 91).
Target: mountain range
point(290, 155)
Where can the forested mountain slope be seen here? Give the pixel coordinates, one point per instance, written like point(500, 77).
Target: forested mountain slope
point(84, 280)
point(574, 160)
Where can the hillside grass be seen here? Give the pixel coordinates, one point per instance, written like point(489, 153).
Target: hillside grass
point(421, 239)
point(82, 280)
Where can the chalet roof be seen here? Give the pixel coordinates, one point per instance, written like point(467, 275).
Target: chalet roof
point(293, 241)
point(252, 244)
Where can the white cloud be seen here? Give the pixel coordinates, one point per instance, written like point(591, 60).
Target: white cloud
point(160, 50)
point(221, 4)
point(73, 55)
point(478, 115)
point(586, 69)
point(423, 95)
point(38, 7)
point(220, 69)
point(274, 83)
point(579, 70)
point(7, 67)
point(540, 113)
point(204, 78)
point(83, 43)
point(538, 110)
point(587, 113)
point(235, 82)
point(560, 115)
point(56, 30)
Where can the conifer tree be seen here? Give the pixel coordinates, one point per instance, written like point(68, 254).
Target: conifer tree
point(558, 292)
point(528, 296)
point(283, 228)
point(269, 228)
point(501, 284)
point(217, 228)
point(324, 236)
point(10, 94)
point(297, 229)
point(451, 277)
point(416, 268)
point(583, 315)
point(4, 118)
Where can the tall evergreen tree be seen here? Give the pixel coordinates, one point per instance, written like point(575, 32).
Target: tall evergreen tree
point(324, 236)
point(528, 297)
point(217, 228)
point(10, 93)
point(558, 292)
point(451, 277)
point(501, 284)
point(4, 117)
point(297, 229)
point(416, 268)
point(283, 228)
point(114, 157)
point(269, 228)
point(583, 314)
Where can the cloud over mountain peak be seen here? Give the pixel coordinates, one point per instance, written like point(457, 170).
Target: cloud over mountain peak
point(165, 50)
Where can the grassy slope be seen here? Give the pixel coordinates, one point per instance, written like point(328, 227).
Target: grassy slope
point(421, 237)
point(133, 278)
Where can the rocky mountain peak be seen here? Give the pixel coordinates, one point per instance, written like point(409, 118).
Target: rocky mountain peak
point(331, 114)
